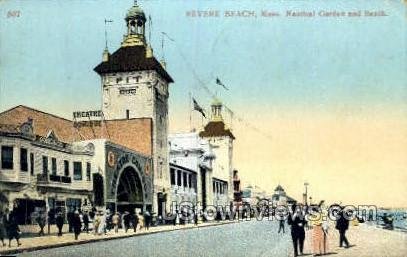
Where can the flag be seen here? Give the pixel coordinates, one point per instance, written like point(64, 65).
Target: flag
point(221, 84)
point(198, 108)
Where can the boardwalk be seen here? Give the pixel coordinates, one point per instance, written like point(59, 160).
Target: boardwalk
point(238, 239)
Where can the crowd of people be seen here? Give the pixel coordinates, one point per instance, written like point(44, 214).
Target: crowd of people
point(78, 221)
point(316, 220)
point(103, 222)
point(9, 229)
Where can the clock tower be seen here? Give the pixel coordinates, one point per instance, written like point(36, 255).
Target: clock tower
point(135, 85)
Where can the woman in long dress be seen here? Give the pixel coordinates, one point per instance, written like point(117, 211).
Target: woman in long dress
point(140, 220)
point(319, 233)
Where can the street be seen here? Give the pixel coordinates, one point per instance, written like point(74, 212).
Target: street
point(255, 238)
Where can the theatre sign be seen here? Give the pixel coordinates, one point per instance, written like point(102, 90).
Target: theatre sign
point(87, 118)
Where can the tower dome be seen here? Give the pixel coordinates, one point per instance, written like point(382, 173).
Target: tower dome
point(135, 12)
point(135, 22)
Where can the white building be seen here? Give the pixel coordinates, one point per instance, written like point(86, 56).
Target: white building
point(42, 173)
point(221, 139)
point(194, 153)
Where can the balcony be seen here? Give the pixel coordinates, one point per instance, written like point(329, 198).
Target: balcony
point(62, 181)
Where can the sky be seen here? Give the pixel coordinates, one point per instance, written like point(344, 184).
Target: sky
point(328, 94)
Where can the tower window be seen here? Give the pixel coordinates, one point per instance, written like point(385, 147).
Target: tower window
point(127, 114)
point(127, 79)
point(118, 79)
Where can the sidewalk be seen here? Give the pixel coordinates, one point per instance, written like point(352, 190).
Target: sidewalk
point(53, 241)
point(366, 241)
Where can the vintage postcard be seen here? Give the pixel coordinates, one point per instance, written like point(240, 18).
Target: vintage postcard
point(203, 128)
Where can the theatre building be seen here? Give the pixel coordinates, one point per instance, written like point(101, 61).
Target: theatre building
point(53, 164)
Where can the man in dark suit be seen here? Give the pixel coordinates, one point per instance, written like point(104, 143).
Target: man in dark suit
point(297, 221)
point(342, 224)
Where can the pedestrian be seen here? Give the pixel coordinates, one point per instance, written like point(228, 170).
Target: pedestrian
point(51, 219)
point(59, 222)
point(196, 217)
point(102, 226)
point(76, 224)
point(41, 220)
point(70, 216)
point(126, 220)
point(297, 222)
point(13, 230)
point(135, 222)
point(96, 224)
point(319, 241)
point(147, 220)
point(116, 221)
point(174, 220)
point(85, 219)
point(108, 219)
point(3, 223)
point(281, 224)
point(141, 220)
point(342, 224)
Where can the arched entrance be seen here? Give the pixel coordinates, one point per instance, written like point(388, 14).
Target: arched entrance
point(129, 192)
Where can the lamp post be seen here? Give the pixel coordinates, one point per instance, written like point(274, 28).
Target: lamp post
point(306, 192)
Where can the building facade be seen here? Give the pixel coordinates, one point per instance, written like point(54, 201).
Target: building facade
point(194, 153)
point(42, 173)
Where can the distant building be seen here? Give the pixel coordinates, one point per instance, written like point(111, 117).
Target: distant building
point(252, 195)
point(281, 198)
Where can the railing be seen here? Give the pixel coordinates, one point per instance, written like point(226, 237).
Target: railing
point(46, 179)
point(60, 179)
